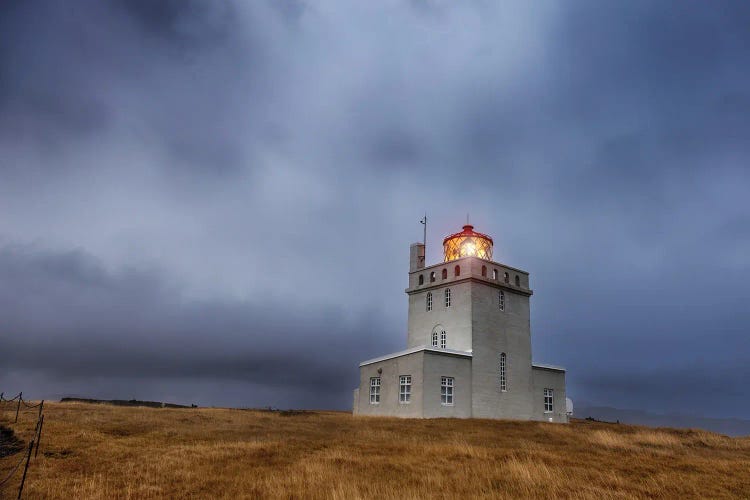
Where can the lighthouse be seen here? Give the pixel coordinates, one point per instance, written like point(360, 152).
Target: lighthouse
point(468, 347)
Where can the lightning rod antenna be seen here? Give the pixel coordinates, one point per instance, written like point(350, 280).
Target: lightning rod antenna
point(424, 236)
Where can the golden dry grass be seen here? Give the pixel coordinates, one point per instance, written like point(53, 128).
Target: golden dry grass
point(99, 451)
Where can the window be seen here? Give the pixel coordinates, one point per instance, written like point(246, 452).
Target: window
point(503, 379)
point(548, 400)
point(429, 301)
point(494, 274)
point(445, 274)
point(506, 277)
point(518, 281)
point(375, 390)
point(501, 300)
point(457, 271)
point(484, 271)
point(447, 297)
point(432, 277)
point(404, 389)
point(446, 391)
point(421, 279)
point(438, 336)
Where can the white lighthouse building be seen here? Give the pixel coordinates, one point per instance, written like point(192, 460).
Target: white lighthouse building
point(468, 346)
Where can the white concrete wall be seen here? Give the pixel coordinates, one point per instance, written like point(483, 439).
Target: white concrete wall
point(437, 366)
point(391, 369)
point(456, 319)
point(496, 331)
point(552, 379)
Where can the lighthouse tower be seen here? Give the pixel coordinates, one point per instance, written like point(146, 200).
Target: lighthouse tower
point(468, 343)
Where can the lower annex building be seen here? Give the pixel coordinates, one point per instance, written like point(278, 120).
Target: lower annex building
point(468, 344)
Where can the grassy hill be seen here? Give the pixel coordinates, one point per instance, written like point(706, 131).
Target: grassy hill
point(102, 451)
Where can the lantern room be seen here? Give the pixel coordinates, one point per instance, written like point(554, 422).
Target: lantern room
point(467, 243)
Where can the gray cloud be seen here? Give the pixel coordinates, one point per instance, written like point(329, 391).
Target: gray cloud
point(191, 191)
point(67, 317)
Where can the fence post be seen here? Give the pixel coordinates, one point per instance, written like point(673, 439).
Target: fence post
point(23, 479)
point(41, 405)
point(39, 436)
point(18, 407)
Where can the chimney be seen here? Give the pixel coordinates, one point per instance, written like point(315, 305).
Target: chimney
point(416, 257)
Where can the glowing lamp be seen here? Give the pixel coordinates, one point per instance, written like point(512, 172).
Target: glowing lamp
point(467, 243)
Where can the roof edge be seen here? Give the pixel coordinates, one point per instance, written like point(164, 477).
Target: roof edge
point(432, 350)
point(544, 366)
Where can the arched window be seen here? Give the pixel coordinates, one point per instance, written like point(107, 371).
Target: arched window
point(457, 271)
point(438, 336)
point(445, 274)
point(506, 277)
point(429, 301)
point(503, 378)
point(421, 279)
point(501, 300)
point(484, 271)
point(518, 280)
point(432, 277)
point(494, 274)
point(447, 297)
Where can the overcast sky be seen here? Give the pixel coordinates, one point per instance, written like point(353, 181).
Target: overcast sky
point(213, 202)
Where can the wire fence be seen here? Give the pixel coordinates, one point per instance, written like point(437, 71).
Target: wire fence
point(33, 445)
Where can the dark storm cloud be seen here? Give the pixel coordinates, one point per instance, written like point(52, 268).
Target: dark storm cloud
point(161, 69)
point(67, 317)
point(241, 178)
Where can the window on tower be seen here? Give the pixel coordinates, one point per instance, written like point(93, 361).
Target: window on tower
point(421, 279)
point(506, 277)
point(429, 301)
point(439, 337)
point(484, 271)
point(445, 274)
point(501, 300)
point(457, 271)
point(447, 297)
point(503, 379)
point(432, 277)
point(518, 280)
point(494, 274)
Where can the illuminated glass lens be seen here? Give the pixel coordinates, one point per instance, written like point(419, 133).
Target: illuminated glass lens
point(467, 246)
